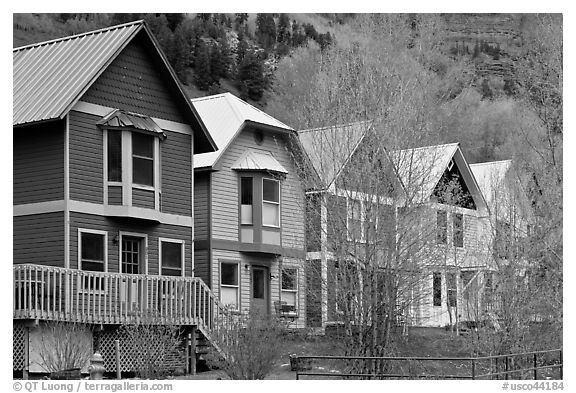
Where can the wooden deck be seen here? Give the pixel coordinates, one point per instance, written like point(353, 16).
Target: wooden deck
point(69, 295)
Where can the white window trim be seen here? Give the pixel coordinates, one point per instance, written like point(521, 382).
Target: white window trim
point(238, 297)
point(453, 214)
point(144, 237)
point(349, 217)
point(95, 232)
point(279, 203)
point(168, 240)
point(295, 291)
point(126, 183)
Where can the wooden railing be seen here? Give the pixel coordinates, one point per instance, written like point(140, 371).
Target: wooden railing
point(53, 293)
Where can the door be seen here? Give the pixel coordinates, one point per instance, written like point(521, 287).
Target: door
point(132, 260)
point(260, 290)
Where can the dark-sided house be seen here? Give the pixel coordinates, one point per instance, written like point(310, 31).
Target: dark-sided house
point(249, 211)
point(104, 141)
point(419, 215)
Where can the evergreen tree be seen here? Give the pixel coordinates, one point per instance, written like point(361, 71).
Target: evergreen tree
point(486, 90)
point(174, 20)
point(225, 58)
point(202, 72)
point(266, 30)
point(241, 49)
point(310, 31)
point(251, 76)
point(298, 37)
point(240, 19)
point(284, 29)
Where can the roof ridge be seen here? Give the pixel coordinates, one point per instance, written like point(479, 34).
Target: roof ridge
point(210, 97)
point(258, 109)
point(335, 126)
point(71, 37)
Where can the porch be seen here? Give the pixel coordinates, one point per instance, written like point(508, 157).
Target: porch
point(70, 295)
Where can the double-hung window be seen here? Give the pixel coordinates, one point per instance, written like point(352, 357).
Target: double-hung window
point(92, 256)
point(229, 284)
point(143, 159)
point(458, 229)
point(441, 227)
point(451, 289)
point(437, 289)
point(270, 202)
point(290, 288)
point(171, 257)
point(246, 201)
point(355, 220)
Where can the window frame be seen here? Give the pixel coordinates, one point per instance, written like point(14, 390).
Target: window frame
point(143, 241)
point(436, 289)
point(137, 156)
point(296, 285)
point(279, 203)
point(237, 286)
point(458, 234)
point(81, 231)
point(441, 230)
point(182, 255)
point(251, 223)
point(452, 289)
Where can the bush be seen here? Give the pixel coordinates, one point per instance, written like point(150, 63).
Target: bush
point(63, 346)
point(252, 348)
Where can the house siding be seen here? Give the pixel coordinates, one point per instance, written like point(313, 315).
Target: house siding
point(86, 158)
point(114, 195)
point(133, 82)
point(114, 226)
point(143, 198)
point(176, 173)
point(225, 191)
point(38, 161)
point(201, 207)
point(39, 239)
point(202, 265)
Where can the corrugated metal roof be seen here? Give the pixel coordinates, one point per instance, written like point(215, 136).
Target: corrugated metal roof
point(224, 116)
point(254, 160)
point(330, 148)
point(421, 168)
point(119, 118)
point(49, 77)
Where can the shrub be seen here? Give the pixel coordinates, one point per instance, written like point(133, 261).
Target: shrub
point(64, 346)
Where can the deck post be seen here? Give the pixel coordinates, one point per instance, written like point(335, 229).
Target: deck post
point(117, 351)
point(535, 369)
point(192, 338)
point(506, 366)
point(473, 368)
point(561, 366)
point(26, 353)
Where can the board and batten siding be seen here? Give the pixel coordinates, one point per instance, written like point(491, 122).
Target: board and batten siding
point(114, 226)
point(225, 190)
point(86, 158)
point(201, 211)
point(38, 173)
point(39, 239)
point(176, 173)
point(133, 82)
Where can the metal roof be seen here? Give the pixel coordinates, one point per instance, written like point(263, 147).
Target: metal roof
point(122, 119)
point(49, 77)
point(255, 160)
point(491, 178)
point(330, 148)
point(224, 116)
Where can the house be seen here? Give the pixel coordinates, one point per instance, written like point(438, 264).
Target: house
point(104, 145)
point(417, 215)
point(249, 211)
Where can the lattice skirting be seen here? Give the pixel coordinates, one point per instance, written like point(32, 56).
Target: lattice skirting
point(19, 338)
point(131, 358)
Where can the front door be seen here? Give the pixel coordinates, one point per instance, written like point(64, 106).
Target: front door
point(260, 280)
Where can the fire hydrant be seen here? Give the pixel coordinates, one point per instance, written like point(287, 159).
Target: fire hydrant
point(96, 368)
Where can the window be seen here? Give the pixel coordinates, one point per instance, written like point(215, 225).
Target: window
point(143, 159)
point(371, 226)
point(229, 284)
point(115, 156)
point(355, 220)
point(246, 201)
point(133, 254)
point(290, 287)
point(458, 229)
point(437, 289)
point(451, 288)
point(441, 227)
point(171, 257)
point(270, 202)
point(92, 257)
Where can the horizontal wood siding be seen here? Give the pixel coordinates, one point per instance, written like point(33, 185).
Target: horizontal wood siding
point(114, 226)
point(225, 191)
point(86, 158)
point(143, 198)
point(314, 294)
point(134, 82)
point(202, 265)
point(176, 175)
point(114, 195)
point(201, 210)
point(38, 173)
point(39, 239)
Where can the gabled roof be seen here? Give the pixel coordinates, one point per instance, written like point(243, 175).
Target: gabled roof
point(50, 77)
point(225, 115)
point(330, 148)
point(420, 169)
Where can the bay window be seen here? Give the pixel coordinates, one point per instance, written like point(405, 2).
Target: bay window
point(270, 202)
point(246, 201)
point(143, 159)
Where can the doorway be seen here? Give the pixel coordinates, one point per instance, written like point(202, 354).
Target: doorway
point(260, 290)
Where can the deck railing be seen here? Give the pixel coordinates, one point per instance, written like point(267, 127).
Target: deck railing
point(70, 295)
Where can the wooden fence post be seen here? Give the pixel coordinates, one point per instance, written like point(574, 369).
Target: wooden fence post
point(473, 368)
point(535, 365)
point(506, 366)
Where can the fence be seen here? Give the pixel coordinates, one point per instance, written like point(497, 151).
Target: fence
point(527, 365)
